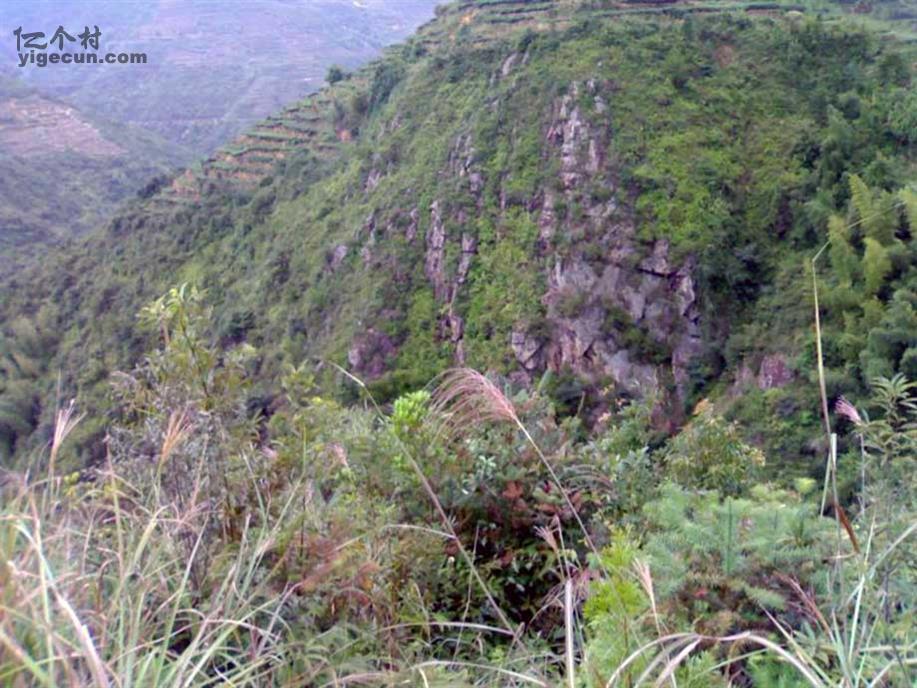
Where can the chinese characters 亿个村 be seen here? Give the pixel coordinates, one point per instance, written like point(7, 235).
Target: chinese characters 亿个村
point(33, 40)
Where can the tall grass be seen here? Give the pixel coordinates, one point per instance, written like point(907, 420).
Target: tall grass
point(105, 582)
point(842, 650)
point(96, 588)
point(465, 398)
point(859, 636)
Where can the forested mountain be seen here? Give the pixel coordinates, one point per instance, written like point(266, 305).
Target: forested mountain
point(63, 171)
point(679, 241)
point(630, 206)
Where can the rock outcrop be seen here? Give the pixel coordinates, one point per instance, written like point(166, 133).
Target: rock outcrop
point(370, 353)
point(616, 310)
point(597, 306)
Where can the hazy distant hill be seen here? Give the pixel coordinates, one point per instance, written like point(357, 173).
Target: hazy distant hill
point(213, 68)
point(63, 171)
point(77, 140)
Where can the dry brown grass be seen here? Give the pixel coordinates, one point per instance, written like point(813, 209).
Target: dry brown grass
point(176, 432)
point(464, 397)
point(65, 421)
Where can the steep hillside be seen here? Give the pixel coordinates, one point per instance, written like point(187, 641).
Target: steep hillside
point(63, 172)
point(621, 197)
point(492, 364)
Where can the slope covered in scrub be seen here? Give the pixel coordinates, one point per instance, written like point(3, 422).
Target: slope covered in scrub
point(64, 171)
point(622, 200)
point(492, 364)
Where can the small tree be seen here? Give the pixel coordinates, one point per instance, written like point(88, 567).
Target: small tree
point(709, 454)
point(335, 74)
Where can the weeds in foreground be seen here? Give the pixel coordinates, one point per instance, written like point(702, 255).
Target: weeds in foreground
point(351, 547)
point(859, 633)
point(97, 590)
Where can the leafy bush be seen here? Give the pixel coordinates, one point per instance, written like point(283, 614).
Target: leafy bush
point(711, 454)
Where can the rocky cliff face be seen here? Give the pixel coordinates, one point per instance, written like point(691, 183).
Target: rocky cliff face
point(617, 310)
point(652, 296)
point(647, 290)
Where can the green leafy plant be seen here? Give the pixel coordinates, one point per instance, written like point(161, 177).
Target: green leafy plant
point(710, 453)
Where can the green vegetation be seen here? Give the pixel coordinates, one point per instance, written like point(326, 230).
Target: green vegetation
point(64, 172)
point(448, 541)
point(275, 475)
point(739, 163)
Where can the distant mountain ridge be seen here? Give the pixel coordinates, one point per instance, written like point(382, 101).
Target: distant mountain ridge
point(63, 171)
point(213, 69)
point(75, 142)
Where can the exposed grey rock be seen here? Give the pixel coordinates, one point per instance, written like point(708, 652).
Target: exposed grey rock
point(526, 349)
point(595, 158)
point(687, 348)
point(685, 295)
point(657, 263)
point(508, 64)
point(476, 182)
point(336, 257)
point(460, 352)
point(445, 290)
point(372, 180)
point(548, 219)
point(369, 353)
point(461, 164)
point(571, 274)
point(745, 376)
point(454, 328)
point(583, 331)
point(572, 133)
point(774, 372)
point(637, 378)
point(411, 232)
point(369, 228)
point(469, 249)
point(434, 263)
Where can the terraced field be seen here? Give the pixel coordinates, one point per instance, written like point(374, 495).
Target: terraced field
point(63, 172)
point(34, 125)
